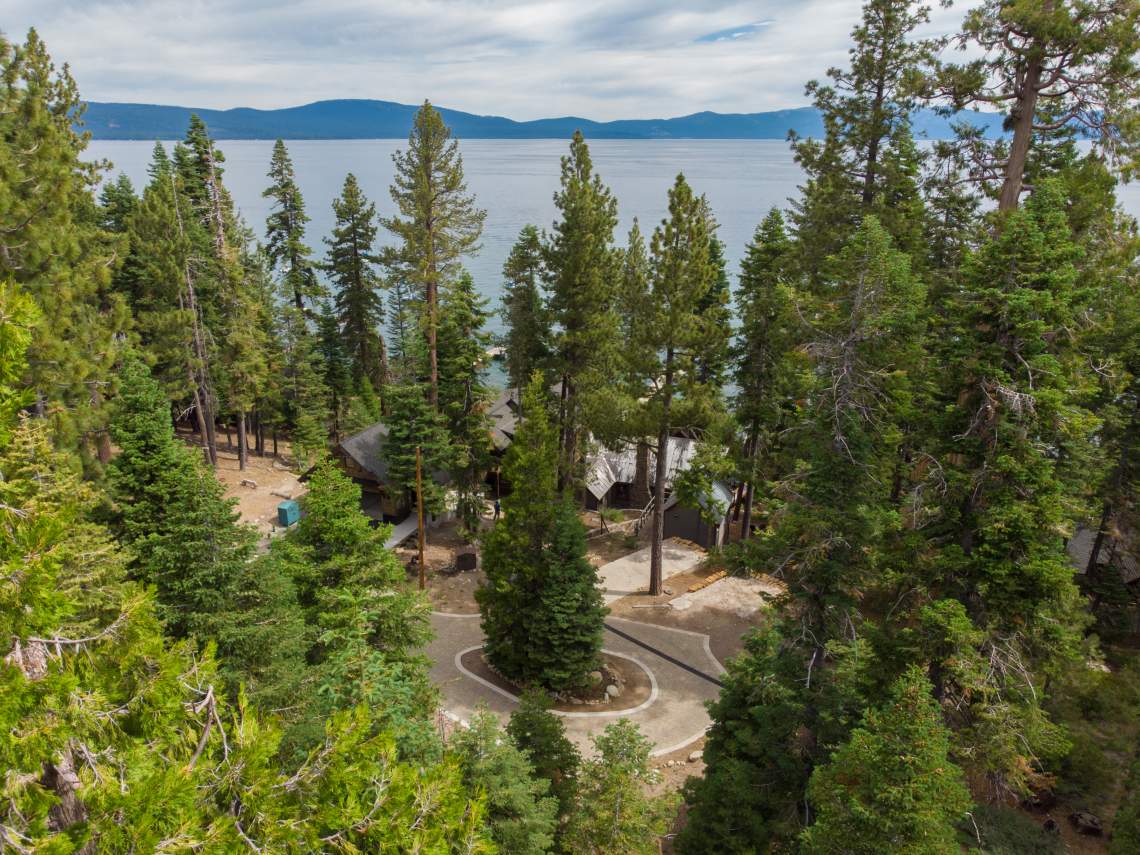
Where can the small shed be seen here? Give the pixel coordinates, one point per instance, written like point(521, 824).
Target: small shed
point(688, 522)
point(288, 512)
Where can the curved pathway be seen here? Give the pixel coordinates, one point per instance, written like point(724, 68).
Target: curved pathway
point(684, 674)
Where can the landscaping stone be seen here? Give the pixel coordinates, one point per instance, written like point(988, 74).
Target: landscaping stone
point(696, 756)
point(613, 691)
point(595, 678)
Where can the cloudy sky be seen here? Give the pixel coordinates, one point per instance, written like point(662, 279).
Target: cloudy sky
point(602, 59)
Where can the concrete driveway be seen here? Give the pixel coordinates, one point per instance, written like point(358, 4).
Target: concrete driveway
point(683, 671)
point(630, 574)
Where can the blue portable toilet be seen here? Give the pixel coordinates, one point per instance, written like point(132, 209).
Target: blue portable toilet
point(288, 512)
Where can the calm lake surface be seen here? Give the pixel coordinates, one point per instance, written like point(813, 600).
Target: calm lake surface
point(515, 180)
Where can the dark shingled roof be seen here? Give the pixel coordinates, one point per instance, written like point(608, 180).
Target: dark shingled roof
point(366, 450)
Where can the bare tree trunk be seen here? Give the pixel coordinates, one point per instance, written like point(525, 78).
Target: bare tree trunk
point(202, 397)
point(1023, 111)
point(102, 438)
point(564, 431)
point(655, 552)
point(433, 356)
point(243, 451)
point(872, 162)
point(229, 436)
point(200, 417)
point(274, 442)
point(746, 523)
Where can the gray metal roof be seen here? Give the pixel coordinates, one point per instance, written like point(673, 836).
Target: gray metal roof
point(605, 468)
point(504, 415)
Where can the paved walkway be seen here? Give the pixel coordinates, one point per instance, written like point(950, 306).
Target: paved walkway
point(630, 574)
point(682, 668)
point(402, 531)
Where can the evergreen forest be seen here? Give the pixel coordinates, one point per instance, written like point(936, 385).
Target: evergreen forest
point(923, 388)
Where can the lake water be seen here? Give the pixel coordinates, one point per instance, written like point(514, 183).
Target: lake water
point(515, 180)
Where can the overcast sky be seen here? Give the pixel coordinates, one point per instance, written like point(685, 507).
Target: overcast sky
point(601, 59)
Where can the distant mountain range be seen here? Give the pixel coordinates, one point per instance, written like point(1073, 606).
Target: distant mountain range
point(362, 119)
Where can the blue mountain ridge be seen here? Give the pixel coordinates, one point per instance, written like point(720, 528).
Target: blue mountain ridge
point(367, 119)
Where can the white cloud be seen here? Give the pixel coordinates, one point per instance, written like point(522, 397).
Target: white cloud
point(603, 59)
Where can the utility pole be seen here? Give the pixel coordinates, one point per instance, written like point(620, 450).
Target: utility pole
point(420, 510)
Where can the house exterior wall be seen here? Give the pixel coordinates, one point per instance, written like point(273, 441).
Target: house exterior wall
point(686, 523)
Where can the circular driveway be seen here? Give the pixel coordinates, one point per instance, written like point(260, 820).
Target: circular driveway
point(682, 670)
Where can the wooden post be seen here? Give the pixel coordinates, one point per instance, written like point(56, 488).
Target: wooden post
point(420, 511)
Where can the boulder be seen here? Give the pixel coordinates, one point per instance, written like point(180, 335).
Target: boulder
point(613, 691)
point(1087, 823)
point(696, 756)
point(595, 678)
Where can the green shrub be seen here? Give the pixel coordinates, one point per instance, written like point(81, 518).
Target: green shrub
point(1005, 831)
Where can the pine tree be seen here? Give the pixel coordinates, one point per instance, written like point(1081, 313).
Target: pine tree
point(285, 230)
point(117, 201)
point(51, 246)
point(1051, 64)
point(541, 610)
point(679, 330)
point(172, 513)
point(406, 352)
point(892, 787)
point(306, 397)
point(527, 339)
point(614, 814)
point(866, 112)
point(337, 365)
point(520, 814)
point(463, 393)
point(581, 271)
point(413, 422)
point(712, 364)
point(764, 365)
point(350, 260)
point(363, 625)
point(565, 632)
point(541, 736)
point(758, 753)
point(174, 289)
point(437, 224)
point(1007, 399)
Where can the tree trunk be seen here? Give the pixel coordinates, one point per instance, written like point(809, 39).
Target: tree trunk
point(102, 437)
point(61, 779)
point(746, 523)
point(229, 437)
point(564, 431)
point(873, 150)
point(753, 450)
point(200, 417)
point(242, 450)
point(433, 356)
point(655, 552)
point(274, 442)
point(1023, 111)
